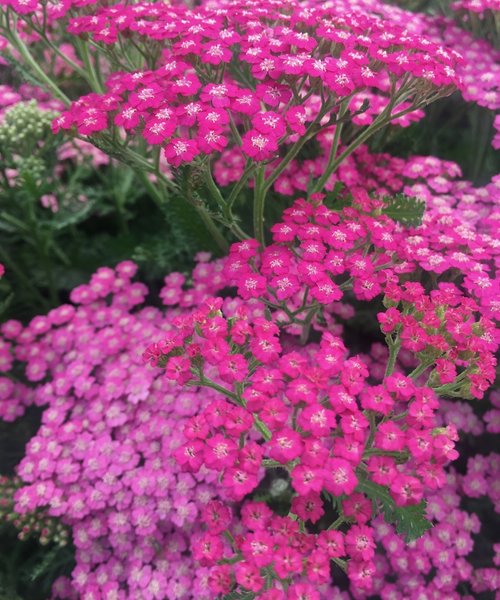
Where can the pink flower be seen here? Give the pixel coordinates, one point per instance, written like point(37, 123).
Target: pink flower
point(302, 591)
point(256, 515)
point(390, 437)
point(306, 479)
point(207, 549)
point(191, 455)
point(285, 445)
point(317, 420)
point(406, 490)
point(332, 543)
point(340, 477)
point(258, 145)
point(220, 452)
point(308, 508)
point(248, 576)
point(287, 561)
point(238, 482)
point(360, 543)
point(257, 548)
point(181, 150)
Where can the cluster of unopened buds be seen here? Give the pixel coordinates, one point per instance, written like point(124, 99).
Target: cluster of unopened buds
point(36, 524)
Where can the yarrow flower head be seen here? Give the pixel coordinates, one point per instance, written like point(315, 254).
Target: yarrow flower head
point(194, 103)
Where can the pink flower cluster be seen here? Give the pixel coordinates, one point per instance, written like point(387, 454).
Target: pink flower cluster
point(319, 253)
point(50, 10)
point(458, 233)
point(195, 102)
point(312, 411)
point(129, 461)
point(102, 460)
point(477, 6)
point(161, 474)
point(478, 71)
point(317, 417)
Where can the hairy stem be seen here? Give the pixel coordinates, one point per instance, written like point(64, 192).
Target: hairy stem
point(259, 202)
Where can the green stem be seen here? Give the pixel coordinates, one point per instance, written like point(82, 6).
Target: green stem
point(71, 64)
point(341, 563)
point(381, 121)
point(209, 223)
point(420, 369)
point(155, 194)
point(224, 206)
point(269, 463)
point(373, 429)
point(205, 382)
point(394, 346)
point(306, 328)
point(333, 150)
point(215, 191)
point(44, 79)
point(238, 232)
point(454, 387)
point(233, 196)
point(262, 428)
point(378, 452)
point(337, 523)
point(259, 202)
point(120, 199)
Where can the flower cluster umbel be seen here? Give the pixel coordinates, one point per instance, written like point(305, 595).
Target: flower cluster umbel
point(243, 76)
point(101, 462)
point(343, 440)
point(315, 414)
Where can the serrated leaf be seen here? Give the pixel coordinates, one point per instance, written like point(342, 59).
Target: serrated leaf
point(67, 217)
point(239, 596)
point(410, 521)
point(407, 210)
point(4, 305)
point(334, 200)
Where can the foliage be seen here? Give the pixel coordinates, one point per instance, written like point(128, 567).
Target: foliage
point(410, 521)
point(404, 210)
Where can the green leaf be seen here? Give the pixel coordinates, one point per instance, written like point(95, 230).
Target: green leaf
point(239, 596)
point(4, 304)
point(72, 215)
point(410, 521)
point(262, 427)
point(336, 200)
point(404, 209)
